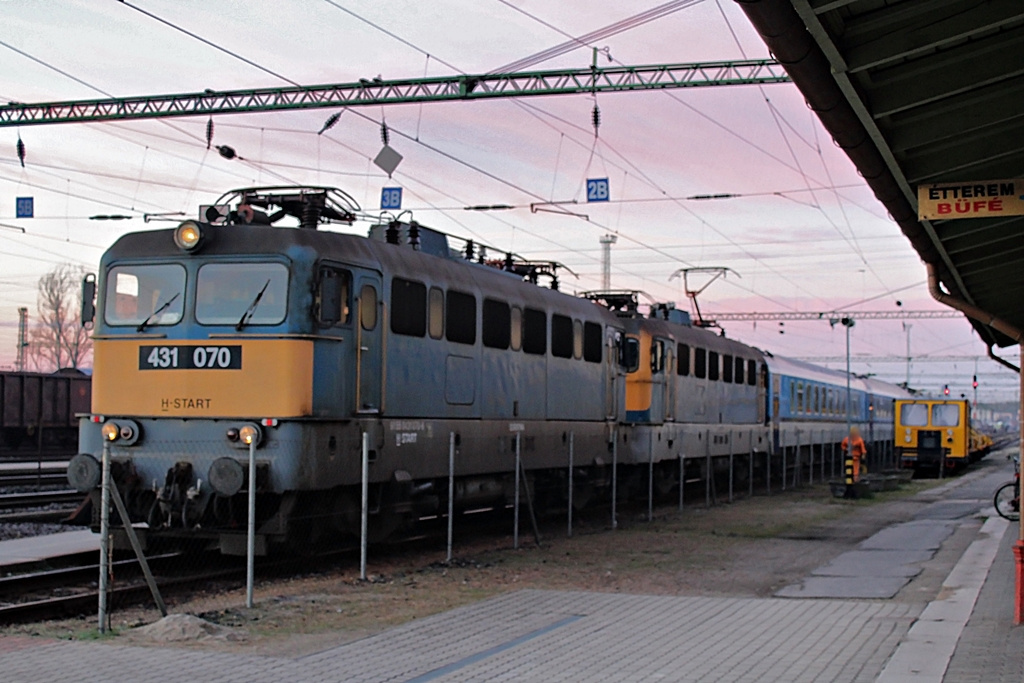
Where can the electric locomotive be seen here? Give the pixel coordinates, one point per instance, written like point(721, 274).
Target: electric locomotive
point(231, 331)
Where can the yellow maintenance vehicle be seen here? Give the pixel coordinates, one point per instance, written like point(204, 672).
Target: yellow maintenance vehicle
point(937, 433)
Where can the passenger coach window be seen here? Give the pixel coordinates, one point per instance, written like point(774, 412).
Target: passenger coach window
point(436, 321)
point(408, 307)
point(712, 365)
point(700, 363)
point(592, 342)
point(225, 292)
point(945, 415)
point(682, 359)
point(535, 331)
point(561, 336)
point(134, 293)
point(497, 324)
point(727, 367)
point(752, 372)
point(739, 371)
point(461, 323)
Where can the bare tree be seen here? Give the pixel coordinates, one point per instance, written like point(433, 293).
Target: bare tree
point(58, 340)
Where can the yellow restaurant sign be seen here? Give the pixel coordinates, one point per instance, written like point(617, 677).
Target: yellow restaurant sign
point(984, 199)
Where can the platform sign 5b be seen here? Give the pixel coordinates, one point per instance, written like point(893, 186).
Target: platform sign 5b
point(391, 198)
point(597, 189)
point(980, 199)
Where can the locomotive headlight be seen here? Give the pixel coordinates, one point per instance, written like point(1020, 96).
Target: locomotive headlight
point(111, 432)
point(250, 434)
point(188, 236)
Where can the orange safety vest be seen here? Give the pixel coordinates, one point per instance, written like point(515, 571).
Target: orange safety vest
point(858, 451)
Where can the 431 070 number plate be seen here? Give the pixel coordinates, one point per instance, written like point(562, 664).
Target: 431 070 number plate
point(179, 357)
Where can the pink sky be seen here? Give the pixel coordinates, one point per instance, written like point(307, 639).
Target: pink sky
point(801, 251)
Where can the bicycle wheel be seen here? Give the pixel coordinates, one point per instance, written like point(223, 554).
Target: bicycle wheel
point(1007, 501)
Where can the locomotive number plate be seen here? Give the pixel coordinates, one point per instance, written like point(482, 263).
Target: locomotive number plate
point(177, 357)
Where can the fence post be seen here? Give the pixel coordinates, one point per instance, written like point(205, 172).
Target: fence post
point(250, 546)
point(364, 509)
point(731, 450)
point(707, 468)
point(783, 465)
point(104, 537)
point(569, 534)
point(750, 464)
point(615, 476)
point(682, 479)
point(650, 479)
point(515, 504)
point(451, 493)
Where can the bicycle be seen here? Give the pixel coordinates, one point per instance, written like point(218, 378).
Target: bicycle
point(1007, 498)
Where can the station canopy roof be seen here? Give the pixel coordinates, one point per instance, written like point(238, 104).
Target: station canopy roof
point(921, 92)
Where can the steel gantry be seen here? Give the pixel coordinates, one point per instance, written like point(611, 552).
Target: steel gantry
point(376, 91)
point(859, 315)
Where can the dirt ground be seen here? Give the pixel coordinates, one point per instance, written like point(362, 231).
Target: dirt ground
point(747, 548)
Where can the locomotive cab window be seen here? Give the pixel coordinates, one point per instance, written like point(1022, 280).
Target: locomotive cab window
point(629, 354)
point(461, 324)
point(592, 345)
point(241, 294)
point(334, 297)
point(945, 415)
point(561, 336)
point(497, 327)
point(140, 293)
point(408, 307)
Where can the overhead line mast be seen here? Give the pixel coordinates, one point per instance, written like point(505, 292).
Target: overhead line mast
point(378, 92)
point(859, 315)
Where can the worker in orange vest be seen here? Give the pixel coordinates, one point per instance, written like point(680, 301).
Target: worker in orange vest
point(854, 445)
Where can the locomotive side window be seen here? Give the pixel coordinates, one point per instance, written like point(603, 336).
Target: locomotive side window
point(727, 367)
point(700, 363)
point(713, 365)
point(461, 324)
point(577, 339)
point(516, 342)
point(497, 324)
point(136, 293)
point(535, 331)
point(738, 375)
point(561, 336)
point(436, 321)
point(368, 307)
point(592, 345)
point(752, 372)
point(241, 294)
point(333, 299)
point(408, 307)
point(683, 359)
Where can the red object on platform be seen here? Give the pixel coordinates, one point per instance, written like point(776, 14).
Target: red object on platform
point(1018, 604)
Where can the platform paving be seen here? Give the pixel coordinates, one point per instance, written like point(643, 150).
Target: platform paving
point(40, 548)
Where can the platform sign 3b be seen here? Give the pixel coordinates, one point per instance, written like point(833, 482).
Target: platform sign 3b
point(391, 198)
point(979, 199)
point(597, 189)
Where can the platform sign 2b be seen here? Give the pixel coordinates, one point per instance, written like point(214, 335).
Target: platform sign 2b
point(597, 189)
point(979, 199)
point(24, 207)
point(391, 198)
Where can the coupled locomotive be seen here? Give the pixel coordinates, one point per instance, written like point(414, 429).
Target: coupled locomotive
point(230, 331)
